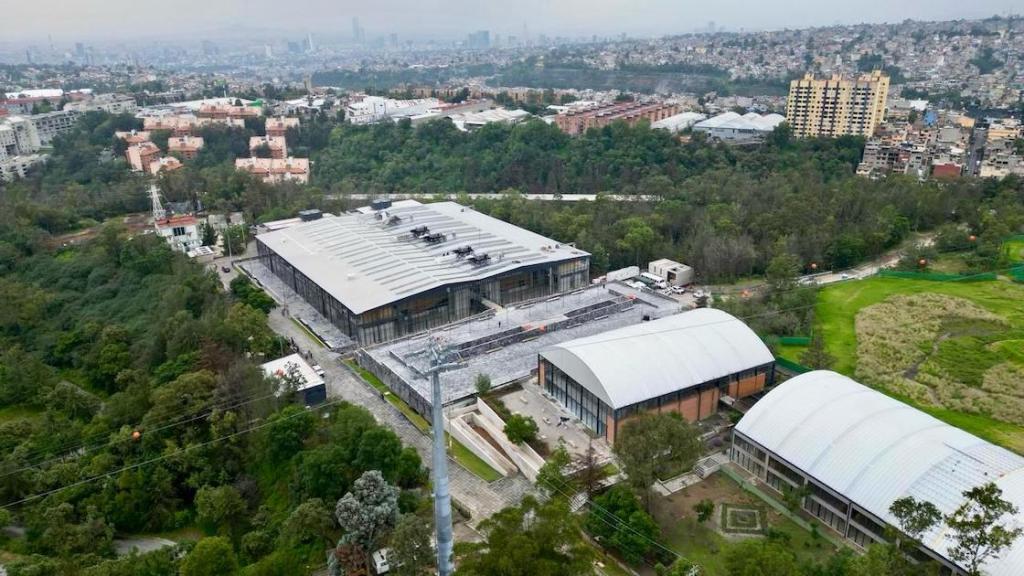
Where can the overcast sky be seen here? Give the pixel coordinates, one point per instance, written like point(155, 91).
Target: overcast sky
point(93, 20)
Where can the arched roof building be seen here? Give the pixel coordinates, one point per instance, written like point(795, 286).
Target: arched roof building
point(682, 363)
point(861, 450)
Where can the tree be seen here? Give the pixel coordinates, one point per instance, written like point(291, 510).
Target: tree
point(979, 528)
point(520, 429)
point(211, 557)
point(703, 509)
point(483, 384)
point(221, 509)
point(367, 512)
point(411, 551)
point(287, 432)
point(310, 522)
point(527, 540)
point(760, 558)
point(816, 356)
point(915, 517)
point(209, 234)
point(552, 477)
point(656, 445)
point(618, 520)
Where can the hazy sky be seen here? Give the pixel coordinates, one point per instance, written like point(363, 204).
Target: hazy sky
point(93, 20)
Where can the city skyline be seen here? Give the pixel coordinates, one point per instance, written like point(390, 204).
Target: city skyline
point(96, 21)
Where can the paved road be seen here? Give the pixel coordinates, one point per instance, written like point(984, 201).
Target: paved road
point(482, 498)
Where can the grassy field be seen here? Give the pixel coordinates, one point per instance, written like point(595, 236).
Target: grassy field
point(1014, 250)
point(976, 356)
point(460, 453)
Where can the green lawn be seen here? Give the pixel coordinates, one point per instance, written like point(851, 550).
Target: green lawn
point(1014, 250)
point(838, 305)
point(702, 544)
point(460, 453)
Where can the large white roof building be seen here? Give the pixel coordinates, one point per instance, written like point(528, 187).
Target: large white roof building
point(683, 363)
point(870, 450)
point(734, 126)
point(445, 256)
point(647, 360)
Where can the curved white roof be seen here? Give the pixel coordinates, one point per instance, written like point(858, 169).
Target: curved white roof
point(636, 363)
point(874, 450)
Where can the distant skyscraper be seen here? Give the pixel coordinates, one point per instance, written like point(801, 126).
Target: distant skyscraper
point(837, 106)
point(268, 51)
point(28, 55)
point(358, 34)
point(481, 39)
point(309, 43)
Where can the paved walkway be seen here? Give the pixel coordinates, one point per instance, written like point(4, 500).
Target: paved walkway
point(481, 498)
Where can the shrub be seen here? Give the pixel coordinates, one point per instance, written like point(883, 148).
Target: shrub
point(521, 429)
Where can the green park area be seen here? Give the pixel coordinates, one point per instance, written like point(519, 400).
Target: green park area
point(952, 348)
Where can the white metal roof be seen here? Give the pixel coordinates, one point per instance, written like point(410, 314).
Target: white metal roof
point(280, 367)
point(874, 450)
point(365, 262)
point(748, 121)
point(647, 360)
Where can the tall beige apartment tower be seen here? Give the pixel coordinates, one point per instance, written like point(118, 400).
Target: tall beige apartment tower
point(837, 106)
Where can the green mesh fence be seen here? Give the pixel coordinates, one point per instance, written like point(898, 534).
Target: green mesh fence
point(795, 340)
point(937, 276)
point(791, 366)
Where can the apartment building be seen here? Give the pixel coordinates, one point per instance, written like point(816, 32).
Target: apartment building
point(275, 144)
point(578, 121)
point(837, 106)
point(226, 111)
point(187, 147)
point(112, 103)
point(274, 170)
point(279, 125)
point(51, 124)
point(141, 156)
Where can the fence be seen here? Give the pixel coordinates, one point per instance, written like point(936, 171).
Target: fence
point(937, 276)
point(791, 366)
point(795, 340)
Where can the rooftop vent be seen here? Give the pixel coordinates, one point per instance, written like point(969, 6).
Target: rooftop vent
point(419, 231)
point(463, 251)
point(479, 259)
point(434, 238)
point(394, 220)
point(310, 215)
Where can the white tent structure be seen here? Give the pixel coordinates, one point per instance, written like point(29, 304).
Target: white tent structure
point(734, 126)
point(861, 450)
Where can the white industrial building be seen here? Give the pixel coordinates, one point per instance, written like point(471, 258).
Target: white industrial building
point(739, 127)
point(309, 384)
point(679, 122)
point(672, 272)
point(859, 450)
point(373, 109)
point(394, 269)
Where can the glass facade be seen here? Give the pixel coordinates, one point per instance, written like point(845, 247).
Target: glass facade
point(433, 308)
point(577, 399)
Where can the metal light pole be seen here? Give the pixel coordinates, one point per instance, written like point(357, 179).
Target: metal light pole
point(442, 495)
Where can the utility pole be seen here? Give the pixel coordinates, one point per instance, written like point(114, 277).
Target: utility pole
point(442, 495)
